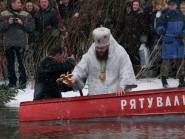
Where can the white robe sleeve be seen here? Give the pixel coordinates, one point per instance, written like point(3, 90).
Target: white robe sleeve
point(127, 76)
point(80, 73)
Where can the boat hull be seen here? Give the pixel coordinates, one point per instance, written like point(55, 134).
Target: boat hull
point(148, 102)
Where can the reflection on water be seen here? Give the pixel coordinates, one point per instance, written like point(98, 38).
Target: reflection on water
point(170, 126)
point(101, 130)
point(8, 123)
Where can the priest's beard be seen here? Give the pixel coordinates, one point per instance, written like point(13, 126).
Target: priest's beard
point(102, 55)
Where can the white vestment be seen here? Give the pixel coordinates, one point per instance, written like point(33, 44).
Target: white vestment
point(118, 68)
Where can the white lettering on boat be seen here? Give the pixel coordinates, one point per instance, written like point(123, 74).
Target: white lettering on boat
point(183, 99)
point(159, 102)
point(123, 104)
point(150, 101)
point(155, 102)
point(176, 101)
point(141, 102)
point(133, 104)
point(168, 102)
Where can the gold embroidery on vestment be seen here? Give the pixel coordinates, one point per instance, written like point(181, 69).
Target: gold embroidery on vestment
point(102, 76)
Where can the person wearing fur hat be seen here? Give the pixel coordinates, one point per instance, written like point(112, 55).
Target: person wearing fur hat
point(106, 66)
point(159, 6)
point(171, 25)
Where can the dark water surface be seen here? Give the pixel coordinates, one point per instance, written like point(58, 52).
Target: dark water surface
point(142, 127)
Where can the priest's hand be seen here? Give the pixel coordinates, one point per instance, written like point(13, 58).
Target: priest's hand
point(120, 91)
point(71, 83)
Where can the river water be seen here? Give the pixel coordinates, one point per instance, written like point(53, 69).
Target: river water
point(142, 127)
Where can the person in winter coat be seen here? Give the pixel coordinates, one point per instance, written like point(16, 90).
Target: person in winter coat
point(68, 9)
point(31, 8)
point(182, 7)
point(15, 25)
point(46, 32)
point(49, 70)
point(134, 28)
point(158, 6)
point(154, 39)
point(172, 26)
point(106, 66)
point(45, 19)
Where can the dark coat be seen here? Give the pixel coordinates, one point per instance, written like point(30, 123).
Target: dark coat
point(48, 71)
point(172, 26)
point(153, 36)
point(31, 37)
point(45, 19)
point(133, 27)
point(15, 34)
point(69, 10)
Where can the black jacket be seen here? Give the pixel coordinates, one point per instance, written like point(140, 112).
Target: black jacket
point(69, 10)
point(44, 20)
point(48, 71)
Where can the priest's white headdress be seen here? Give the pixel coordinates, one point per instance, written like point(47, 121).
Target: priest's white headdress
point(101, 36)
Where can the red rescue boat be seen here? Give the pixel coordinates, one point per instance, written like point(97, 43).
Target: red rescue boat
point(146, 102)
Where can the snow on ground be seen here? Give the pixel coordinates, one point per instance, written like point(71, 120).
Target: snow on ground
point(143, 84)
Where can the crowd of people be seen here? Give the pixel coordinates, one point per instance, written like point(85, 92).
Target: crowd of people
point(160, 25)
point(29, 22)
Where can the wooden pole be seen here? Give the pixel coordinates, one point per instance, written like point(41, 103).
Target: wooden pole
point(62, 29)
point(66, 38)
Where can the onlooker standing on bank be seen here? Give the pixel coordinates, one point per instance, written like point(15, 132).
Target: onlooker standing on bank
point(15, 24)
point(182, 7)
point(31, 8)
point(172, 26)
point(159, 6)
point(45, 18)
point(68, 9)
point(135, 28)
